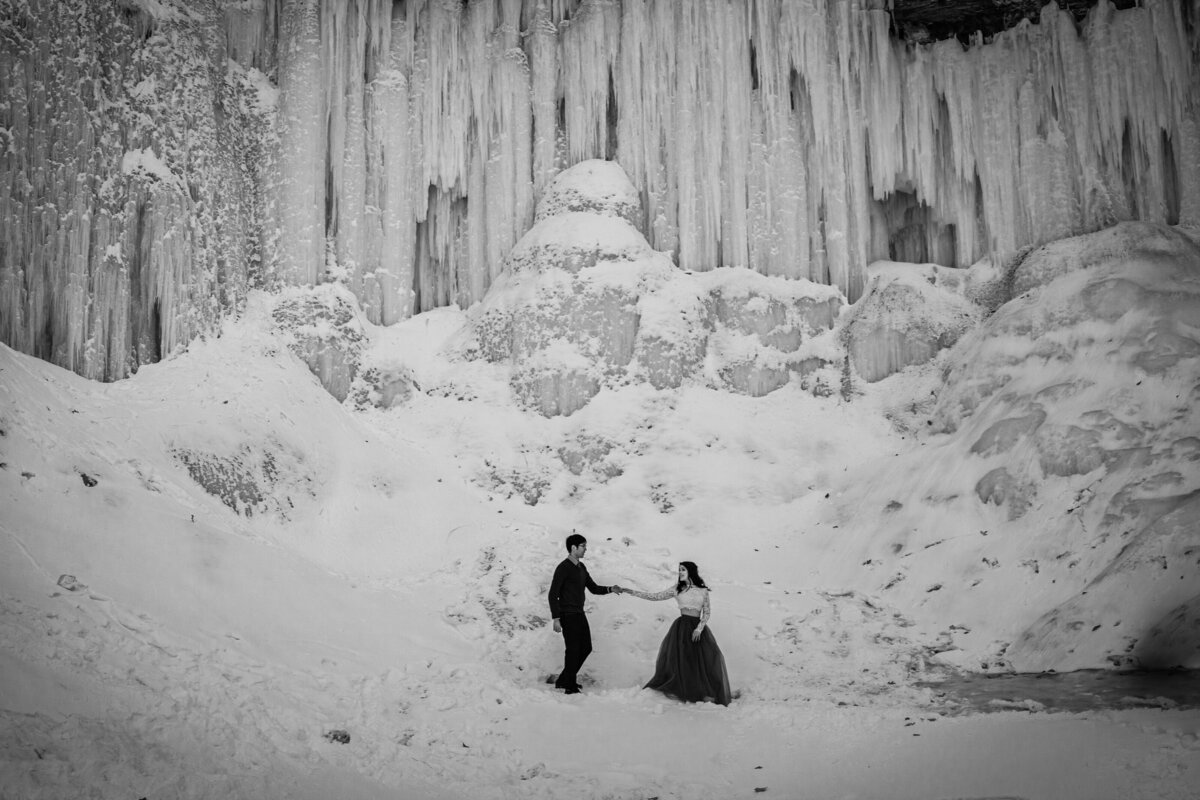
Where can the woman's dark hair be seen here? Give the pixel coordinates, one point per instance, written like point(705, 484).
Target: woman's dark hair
point(574, 540)
point(693, 576)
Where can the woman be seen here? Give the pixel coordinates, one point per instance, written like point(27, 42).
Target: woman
point(690, 665)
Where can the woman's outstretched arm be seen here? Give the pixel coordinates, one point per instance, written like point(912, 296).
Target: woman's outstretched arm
point(665, 594)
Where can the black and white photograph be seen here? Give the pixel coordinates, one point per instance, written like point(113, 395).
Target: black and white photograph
point(599, 399)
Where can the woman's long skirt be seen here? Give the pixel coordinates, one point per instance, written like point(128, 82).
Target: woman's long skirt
point(691, 671)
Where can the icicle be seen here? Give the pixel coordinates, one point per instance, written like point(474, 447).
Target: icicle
point(732, 71)
point(543, 58)
point(344, 37)
point(506, 131)
point(1187, 159)
point(646, 145)
point(300, 176)
point(445, 97)
point(394, 273)
point(1087, 144)
point(589, 45)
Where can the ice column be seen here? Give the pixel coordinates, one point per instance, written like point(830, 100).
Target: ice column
point(299, 209)
point(343, 49)
point(393, 275)
point(542, 45)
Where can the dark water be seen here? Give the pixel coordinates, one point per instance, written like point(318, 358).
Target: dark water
point(1084, 690)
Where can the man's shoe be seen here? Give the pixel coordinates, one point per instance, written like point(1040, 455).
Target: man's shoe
point(574, 690)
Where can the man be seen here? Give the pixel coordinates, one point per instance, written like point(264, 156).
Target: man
point(566, 609)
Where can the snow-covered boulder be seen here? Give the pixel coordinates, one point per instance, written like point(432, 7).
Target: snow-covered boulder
point(558, 380)
point(591, 454)
point(907, 315)
point(674, 323)
point(761, 325)
point(382, 386)
point(595, 186)
point(1118, 243)
point(573, 240)
point(565, 312)
point(322, 326)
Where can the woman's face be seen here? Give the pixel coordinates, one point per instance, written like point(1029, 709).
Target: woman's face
point(683, 574)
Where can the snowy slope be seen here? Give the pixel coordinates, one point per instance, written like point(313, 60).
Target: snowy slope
point(386, 578)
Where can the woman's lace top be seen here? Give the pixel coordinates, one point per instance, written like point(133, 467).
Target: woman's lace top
point(693, 599)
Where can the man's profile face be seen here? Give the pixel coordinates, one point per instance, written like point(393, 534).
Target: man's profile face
point(579, 549)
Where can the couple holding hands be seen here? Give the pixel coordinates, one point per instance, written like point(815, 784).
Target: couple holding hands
point(690, 666)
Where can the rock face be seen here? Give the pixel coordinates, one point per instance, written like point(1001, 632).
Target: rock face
point(1118, 308)
point(263, 477)
point(761, 326)
point(925, 20)
point(322, 327)
point(907, 315)
point(584, 302)
point(383, 386)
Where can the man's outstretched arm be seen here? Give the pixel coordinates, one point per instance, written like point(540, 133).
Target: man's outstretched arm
point(595, 588)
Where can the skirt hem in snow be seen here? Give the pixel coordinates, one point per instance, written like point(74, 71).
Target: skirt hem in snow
point(691, 671)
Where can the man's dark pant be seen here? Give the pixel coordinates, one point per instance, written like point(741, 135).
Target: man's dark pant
point(577, 636)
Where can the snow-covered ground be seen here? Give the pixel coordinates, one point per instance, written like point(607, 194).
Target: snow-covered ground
point(386, 578)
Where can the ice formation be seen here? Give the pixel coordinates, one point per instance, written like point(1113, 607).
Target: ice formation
point(583, 302)
point(909, 313)
point(323, 327)
point(401, 148)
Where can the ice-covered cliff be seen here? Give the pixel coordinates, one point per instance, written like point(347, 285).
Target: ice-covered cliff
point(157, 157)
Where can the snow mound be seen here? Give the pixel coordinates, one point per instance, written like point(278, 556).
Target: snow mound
point(595, 186)
point(584, 303)
point(1077, 401)
point(573, 240)
point(1122, 242)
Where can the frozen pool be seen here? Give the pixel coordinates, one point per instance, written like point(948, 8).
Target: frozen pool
point(1068, 691)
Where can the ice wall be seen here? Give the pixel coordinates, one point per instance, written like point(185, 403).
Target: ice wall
point(129, 204)
point(156, 157)
point(1046, 132)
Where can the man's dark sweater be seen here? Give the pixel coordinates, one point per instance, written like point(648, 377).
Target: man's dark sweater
point(566, 588)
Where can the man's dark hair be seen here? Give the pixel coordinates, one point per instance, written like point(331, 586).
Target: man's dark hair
point(574, 540)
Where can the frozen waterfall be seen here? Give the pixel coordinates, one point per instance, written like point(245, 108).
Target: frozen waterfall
point(159, 159)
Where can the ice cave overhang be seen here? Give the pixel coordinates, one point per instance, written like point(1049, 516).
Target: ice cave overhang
point(922, 21)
